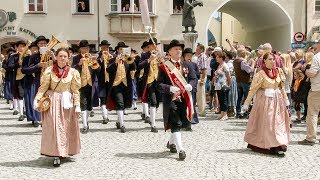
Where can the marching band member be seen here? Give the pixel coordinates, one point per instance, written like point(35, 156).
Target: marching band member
point(150, 96)
point(81, 63)
point(7, 79)
point(29, 88)
point(120, 83)
point(145, 111)
point(36, 67)
point(60, 129)
point(103, 78)
point(17, 80)
point(187, 56)
point(176, 80)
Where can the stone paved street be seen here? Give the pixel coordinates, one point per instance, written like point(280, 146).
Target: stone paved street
point(215, 150)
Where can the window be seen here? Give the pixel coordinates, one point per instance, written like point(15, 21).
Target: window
point(177, 6)
point(317, 6)
point(35, 6)
point(128, 6)
point(82, 6)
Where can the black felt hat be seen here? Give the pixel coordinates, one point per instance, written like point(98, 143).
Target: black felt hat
point(83, 43)
point(41, 38)
point(155, 40)
point(20, 42)
point(104, 43)
point(33, 44)
point(144, 44)
point(187, 50)
point(120, 45)
point(175, 43)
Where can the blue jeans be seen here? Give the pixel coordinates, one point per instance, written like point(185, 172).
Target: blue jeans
point(243, 89)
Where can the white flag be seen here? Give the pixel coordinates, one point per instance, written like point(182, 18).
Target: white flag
point(145, 12)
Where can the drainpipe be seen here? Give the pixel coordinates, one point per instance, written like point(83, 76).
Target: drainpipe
point(306, 18)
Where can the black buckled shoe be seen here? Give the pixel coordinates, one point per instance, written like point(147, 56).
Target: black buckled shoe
point(85, 130)
point(118, 125)
point(56, 162)
point(21, 118)
point(91, 113)
point(182, 155)
point(147, 120)
point(15, 112)
point(36, 124)
point(122, 129)
point(172, 147)
point(143, 116)
point(154, 129)
point(105, 121)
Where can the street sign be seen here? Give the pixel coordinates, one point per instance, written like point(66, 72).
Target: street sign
point(298, 45)
point(298, 37)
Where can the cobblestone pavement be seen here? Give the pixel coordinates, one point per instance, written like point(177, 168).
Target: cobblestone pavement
point(215, 150)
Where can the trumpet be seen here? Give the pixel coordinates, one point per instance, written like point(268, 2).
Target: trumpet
point(90, 62)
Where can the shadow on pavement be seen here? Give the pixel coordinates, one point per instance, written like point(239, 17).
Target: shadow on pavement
point(41, 162)
point(155, 155)
point(38, 132)
point(246, 151)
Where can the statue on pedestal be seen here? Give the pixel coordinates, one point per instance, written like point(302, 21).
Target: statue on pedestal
point(188, 18)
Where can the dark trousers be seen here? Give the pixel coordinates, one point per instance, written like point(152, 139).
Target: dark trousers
point(177, 115)
point(151, 94)
point(243, 89)
point(223, 100)
point(85, 98)
point(18, 91)
point(118, 93)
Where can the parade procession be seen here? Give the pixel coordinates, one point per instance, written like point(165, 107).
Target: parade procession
point(160, 95)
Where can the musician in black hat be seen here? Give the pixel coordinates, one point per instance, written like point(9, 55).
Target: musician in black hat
point(187, 57)
point(139, 76)
point(29, 88)
point(17, 80)
point(120, 83)
point(103, 78)
point(176, 80)
point(81, 63)
point(151, 96)
point(7, 79)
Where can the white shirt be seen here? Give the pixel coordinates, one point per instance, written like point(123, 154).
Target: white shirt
point(315, 68)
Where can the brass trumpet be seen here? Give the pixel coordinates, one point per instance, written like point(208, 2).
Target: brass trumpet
point(90, 62)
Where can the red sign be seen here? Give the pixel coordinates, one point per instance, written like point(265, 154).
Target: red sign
point(298, 37)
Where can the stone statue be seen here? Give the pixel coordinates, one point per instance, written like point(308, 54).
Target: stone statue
point(188, 18)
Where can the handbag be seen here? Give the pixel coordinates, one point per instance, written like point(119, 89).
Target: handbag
point(45, 102)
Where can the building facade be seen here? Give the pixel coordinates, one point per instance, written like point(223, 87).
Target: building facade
point(273, 21)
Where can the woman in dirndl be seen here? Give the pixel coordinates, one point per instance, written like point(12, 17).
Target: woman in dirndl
point(269, 123)
point(60, 130)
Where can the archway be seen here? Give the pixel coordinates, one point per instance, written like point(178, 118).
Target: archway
point(8, 42)
point(263, 20)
